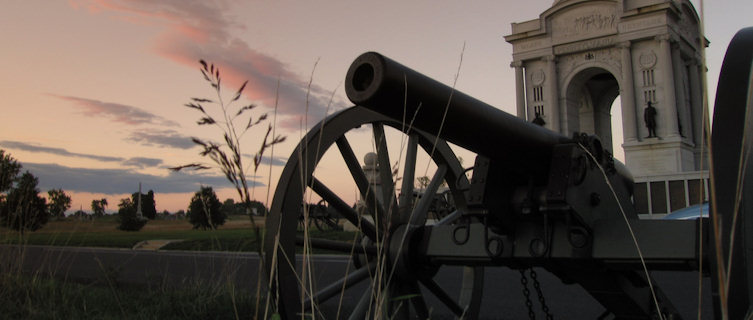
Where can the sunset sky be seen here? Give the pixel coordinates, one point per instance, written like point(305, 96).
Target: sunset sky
point(93, 90)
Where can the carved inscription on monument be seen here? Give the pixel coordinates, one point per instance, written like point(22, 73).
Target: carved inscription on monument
point(585, 45)
point(639, 24)
point(584, 22)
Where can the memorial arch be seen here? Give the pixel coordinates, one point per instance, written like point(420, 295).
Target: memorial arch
point(588, 95)
point(579, 56)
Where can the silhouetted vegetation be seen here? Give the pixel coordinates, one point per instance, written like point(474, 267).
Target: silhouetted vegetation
point(21, 206)
point(128, 217)
point(231, 208)
point(59, 202)
point(25, 297)
point(205, 210)
point(234, 122)
point(98, 207)
point(148, 205)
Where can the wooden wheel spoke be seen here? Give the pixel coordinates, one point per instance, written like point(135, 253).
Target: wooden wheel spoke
point(362, 308)
point(418, 217)
point(344, 209)
point(352, 162)
point(333, 289)
point(370, 199)
point(409, 175)
point(442, 295)
point(385, 171)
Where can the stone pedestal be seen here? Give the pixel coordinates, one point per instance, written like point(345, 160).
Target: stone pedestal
point(654, 156)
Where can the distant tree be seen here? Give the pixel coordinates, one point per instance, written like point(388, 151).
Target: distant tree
point(258, 208)
point(129, 220)
point(81, 215)
point(59, 203)
point(204, 211)
point(9, 169)
point(24, 209)
point(148, 206)
point(231, 208)
point(98, 207)
point(180, 214)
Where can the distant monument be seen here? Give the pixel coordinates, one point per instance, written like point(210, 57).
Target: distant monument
point(139, 214)
point(578, 56)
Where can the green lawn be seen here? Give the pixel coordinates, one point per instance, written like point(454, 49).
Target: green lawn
point(103, 232)
point(236, 235)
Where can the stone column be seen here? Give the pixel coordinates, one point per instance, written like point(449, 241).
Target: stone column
point(696, 101)
point(627, 95)
point(553, 97)
point(520, 96)
point(667, 110)
point(682, 107)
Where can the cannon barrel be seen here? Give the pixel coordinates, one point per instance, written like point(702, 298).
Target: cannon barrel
point(396, 91)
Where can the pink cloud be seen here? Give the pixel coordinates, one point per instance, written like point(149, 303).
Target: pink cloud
point(203, 30)
point(116, 112)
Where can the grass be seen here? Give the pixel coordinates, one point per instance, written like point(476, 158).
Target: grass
point(27, 297)
point(235, 235)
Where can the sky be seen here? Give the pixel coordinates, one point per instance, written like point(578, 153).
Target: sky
point(93, 91)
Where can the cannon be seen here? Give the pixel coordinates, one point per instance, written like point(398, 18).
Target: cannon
point(535, 199)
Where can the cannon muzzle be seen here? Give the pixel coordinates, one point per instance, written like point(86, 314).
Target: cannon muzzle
point(394, 90)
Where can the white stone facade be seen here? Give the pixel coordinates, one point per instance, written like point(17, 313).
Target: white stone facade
point(575, 59)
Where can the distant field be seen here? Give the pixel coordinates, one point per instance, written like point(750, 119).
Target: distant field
point(236, 234)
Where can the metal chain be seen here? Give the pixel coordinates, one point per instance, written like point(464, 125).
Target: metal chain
point(537, 286)
point(527, 294)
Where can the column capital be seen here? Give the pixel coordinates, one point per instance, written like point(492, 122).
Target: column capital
point(624, 44)
point(516, 64)
point(663, 37)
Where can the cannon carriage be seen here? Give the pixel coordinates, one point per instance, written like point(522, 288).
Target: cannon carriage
point(535, 199)
point(319, 215)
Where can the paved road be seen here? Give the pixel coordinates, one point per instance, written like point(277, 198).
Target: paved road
point(503, 297)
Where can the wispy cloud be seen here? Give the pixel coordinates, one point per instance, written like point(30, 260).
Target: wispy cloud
point(161, 138)
point(276, 161)
point(265, 160)
point(137, 162)
point(203, 30)
point(118, 181)
point(142, 162)
point(57, 151)
point(116, 112)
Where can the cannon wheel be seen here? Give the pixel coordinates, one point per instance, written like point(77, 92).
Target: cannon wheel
point(381, 282)
point(732, 143)
point(323, 220)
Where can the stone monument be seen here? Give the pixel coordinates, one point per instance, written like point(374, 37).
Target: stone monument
point(579, 56)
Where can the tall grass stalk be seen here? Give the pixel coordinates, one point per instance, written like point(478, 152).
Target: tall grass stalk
point(229, 157)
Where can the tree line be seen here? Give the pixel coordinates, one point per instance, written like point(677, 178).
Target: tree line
point(22, 208)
